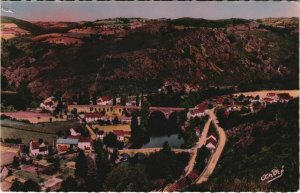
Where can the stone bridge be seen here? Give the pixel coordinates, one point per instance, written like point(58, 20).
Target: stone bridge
point(167, 111)
point(147, 151)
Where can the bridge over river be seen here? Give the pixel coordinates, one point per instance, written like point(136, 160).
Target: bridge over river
point(167, 111)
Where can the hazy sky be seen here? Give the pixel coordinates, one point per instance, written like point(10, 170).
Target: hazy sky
point(79, 11)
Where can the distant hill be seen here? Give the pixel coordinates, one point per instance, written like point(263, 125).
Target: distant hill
point(34, 29)
point(250, 54)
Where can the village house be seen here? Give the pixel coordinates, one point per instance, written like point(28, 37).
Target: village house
point(36, 148)
point(120, 135)
point(85, 143)
point(74, 142)
point(105, 100)
point(100, 134)
point(211, 142)
point(64, 144)
point(92, 117)
point(198, 111)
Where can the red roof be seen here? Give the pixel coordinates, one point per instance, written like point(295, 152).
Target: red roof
point(35, 145)
point(93, 115)
point(268, 99)
point(62, 148)
point(271, 94)
point(285, 96)
point(201, 107)
point(119, 132)
point(105, 98)
point(84, 139)
point(50, 103)
point(212, 141)
point(127, 132)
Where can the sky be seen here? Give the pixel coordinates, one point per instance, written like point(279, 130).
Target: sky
point(89, 11)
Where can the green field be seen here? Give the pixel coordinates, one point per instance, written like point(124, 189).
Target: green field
point(27, 132)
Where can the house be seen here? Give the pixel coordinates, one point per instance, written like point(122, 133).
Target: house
point(64, 144)
point(52, 184)
point(75, 131)
point(36, 148)
point(271, 95)
point(49, 104)
point(198, 111)
point(120, 135)
point(105, 100)
point(91, 117)
point(85, 143)
point(211, 142)
point(100, 134)
point(284, 97)
point(269, 100)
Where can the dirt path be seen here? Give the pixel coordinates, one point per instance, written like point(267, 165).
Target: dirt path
point(201, 141)
point(216, 155)
point(263, 93)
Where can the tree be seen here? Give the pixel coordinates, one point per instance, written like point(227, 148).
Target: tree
point(114, 100)
point(110, 140)
point(137, 134)
point(127, 178)
point(69, 185)
point(16, 162)
point(16, 186)
point(137, 100)
point(144, 115)
point(102, 163)
point(81, 165)
point(94, 99)
point(116, 121)
point(241, 97)
point(30, 186)
point(210, 106)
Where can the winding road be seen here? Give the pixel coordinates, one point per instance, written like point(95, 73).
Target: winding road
point(201, 141)
point(216, 155)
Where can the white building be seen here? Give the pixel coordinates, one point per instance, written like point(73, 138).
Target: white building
point(35, 148)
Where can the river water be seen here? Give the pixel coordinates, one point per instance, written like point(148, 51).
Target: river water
point(173, 141)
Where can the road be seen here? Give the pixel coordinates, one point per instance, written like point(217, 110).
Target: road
point(201, 141)
point(91, 131)
point(216, 155)
point(263, 93)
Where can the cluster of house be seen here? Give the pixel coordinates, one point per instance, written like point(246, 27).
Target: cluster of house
point(95, 117)
point(198, 111)
point(121, 134)
point(108, 100)
point(73, 142)
point(36, 170)
point(236, 103)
